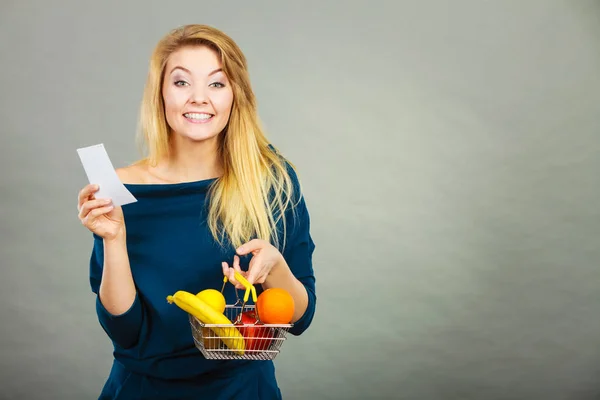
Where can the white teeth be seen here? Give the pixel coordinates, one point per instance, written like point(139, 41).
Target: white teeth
point(199, 116)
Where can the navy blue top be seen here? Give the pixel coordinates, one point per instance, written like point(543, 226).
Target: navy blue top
point(171, 248)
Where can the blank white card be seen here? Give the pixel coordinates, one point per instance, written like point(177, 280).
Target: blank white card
point(100, 171)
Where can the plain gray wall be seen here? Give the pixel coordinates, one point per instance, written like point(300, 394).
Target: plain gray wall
point(449, 152)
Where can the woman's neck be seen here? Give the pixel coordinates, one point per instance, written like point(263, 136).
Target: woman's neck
point(191, 161)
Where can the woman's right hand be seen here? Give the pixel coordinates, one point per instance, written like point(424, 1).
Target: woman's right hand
point(100, 216)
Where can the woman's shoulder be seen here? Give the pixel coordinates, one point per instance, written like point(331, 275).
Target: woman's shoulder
point(293, 192)
point(289, 166)
point(136, 173)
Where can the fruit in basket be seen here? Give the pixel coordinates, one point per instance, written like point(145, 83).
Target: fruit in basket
point(275, 306)
point(257, 336)
point(213, 298)
point(210, 340)
point(193, 305)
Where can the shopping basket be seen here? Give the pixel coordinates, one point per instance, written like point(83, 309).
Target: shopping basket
point(258, 340)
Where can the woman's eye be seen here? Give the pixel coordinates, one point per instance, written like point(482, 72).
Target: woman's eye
point(217, 84)
point(180, 83)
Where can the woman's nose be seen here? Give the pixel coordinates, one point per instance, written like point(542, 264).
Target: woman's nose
point(199, 96)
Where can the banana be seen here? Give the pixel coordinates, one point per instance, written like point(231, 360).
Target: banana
point(190, 303)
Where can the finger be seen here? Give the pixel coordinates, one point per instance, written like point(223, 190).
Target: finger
point(230, 274)
point(92, 204)
point(85, 193)
point(236, 268)
point(225, 268)
point(254, 269)
point(251, 246)
point(262, 278)
point(95, 213)
point(227, 271)
point(236, 264)
point(237, 284)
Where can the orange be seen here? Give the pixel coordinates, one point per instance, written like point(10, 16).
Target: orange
point(275, 306)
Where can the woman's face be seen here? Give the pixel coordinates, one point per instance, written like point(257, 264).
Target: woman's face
point(196, 93)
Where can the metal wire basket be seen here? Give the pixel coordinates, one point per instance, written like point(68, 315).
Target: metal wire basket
point(259, 341)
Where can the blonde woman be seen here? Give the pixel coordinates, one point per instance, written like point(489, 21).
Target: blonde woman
point(214, 196)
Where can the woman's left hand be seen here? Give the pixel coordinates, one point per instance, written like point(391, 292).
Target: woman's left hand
point(265, 257)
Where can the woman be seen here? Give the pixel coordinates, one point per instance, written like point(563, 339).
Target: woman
point(213, 197)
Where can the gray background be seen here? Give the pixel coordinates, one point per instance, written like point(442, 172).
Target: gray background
point(449, 152)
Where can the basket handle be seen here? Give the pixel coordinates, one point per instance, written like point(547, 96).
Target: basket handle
point(249, 287)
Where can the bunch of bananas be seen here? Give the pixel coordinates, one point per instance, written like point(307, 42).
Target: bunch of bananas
point(210, 313)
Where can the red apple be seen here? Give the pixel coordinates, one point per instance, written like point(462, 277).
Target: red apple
point(257, 337)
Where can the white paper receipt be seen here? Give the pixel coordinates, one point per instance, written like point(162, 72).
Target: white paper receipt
point(100, 171)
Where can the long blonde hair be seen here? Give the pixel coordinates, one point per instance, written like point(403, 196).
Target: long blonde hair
point(256, 188)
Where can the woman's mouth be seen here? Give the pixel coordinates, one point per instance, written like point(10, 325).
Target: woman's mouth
point(198, 118)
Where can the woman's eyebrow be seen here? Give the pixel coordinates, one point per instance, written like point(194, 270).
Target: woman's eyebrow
point(189, 72)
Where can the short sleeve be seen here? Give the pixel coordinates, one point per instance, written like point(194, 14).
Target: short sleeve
point(123, 329)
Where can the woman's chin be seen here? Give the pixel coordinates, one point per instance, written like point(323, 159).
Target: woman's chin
point(197, 136)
